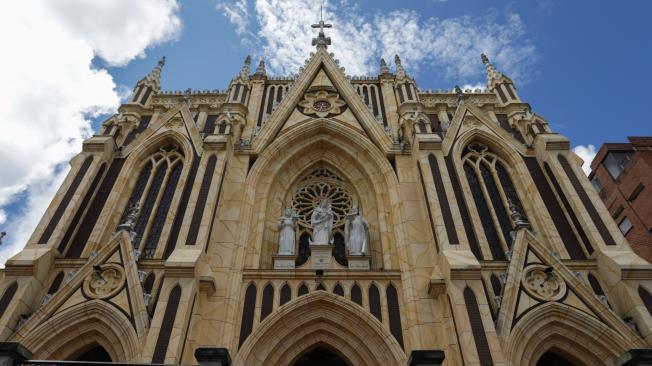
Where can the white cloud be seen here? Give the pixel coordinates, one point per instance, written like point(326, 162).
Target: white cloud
point(50, 89)
point(587, 153)
point(3, 217)
point(452, 45)
point(237, 13)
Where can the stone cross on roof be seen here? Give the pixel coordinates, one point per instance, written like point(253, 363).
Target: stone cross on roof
point(321, 40)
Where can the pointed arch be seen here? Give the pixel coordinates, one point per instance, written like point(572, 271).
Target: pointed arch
point(286, 294)
point(102, 324)
point(303, 289)
point(248, 308)
point(268, 301)
point(356, 294)
point(338, 290)
point(374, 302)
point(316, 320)
point(557, 326)
point(308, 144)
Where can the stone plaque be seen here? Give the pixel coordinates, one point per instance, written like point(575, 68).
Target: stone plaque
point(321, 256)
point(359, 262)
point(284, 262)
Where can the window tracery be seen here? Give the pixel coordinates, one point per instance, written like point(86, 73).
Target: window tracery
point(317, 185)
point(152, 195)
point(492, 190)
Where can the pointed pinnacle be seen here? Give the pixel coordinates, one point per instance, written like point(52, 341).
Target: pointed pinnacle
point(260, 70)
point(383, 66)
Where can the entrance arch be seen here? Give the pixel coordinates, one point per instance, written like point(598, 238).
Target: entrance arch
point(567, 332)
point(316, 320)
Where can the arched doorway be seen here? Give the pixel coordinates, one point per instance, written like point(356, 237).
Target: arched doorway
point(551, 358)
point(95, 354)
point(303, 326)
point(320, 356)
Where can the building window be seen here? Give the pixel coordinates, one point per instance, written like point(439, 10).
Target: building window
point(152, 196)
point(616, 162)
point(637, 191)
point(493, 193)
point(596, 184)
point(618, 211)
point(625, 225)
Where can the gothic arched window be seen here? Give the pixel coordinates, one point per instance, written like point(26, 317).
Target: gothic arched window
point(286, 294)
point(338, 290)
point(493, 192)
point(268, 301)
point(152, 196)
point(356, 294)
point(374, 302)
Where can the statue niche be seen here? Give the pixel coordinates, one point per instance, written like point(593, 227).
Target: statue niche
point(322, 216)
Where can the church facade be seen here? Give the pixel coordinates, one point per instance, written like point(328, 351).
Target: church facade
point(328, 218)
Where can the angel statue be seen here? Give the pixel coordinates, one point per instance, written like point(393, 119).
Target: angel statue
point(322, 223)
point(287, 225)
point(356, 233)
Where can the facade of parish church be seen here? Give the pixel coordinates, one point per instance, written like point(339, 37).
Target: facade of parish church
point(327, 219)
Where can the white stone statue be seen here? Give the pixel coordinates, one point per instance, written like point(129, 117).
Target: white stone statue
point(322, 223)
point(286, 226)
point(356, 233)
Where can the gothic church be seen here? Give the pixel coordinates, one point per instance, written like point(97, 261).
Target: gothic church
point(327, 219)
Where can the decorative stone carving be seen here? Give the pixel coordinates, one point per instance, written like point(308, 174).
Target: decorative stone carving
point(321, 184)
point(356, 233)
point(130, 219)
point(322, 102)
point(321, 221)
point(542, 283)
point(287, 227)
point(105, 281)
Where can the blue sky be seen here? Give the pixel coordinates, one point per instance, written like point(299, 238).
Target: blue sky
point(583, 65)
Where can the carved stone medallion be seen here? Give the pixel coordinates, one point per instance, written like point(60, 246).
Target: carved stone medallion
point(321, 102)
point(542, 283)
point(105, 282)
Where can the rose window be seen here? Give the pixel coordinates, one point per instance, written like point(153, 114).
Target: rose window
point(316, 186)
point(321, 105)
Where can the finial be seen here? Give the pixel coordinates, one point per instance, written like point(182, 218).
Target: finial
point(321, 41)
point(383, 66)
point(153, 79)
point(244, 72)
point(400, 71)
point(260, 70)
point(2, 235)
point(492, 74)
point(485, 59)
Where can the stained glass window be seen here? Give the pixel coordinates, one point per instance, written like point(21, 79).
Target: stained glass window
point(153, 193)
point(484, 213)
point(492, 191)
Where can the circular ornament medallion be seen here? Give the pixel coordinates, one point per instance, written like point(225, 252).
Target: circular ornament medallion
point(542, 283)
point(321, 105)
point(106, 282)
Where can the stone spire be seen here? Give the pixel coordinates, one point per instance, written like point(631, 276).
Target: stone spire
point(153, 79)
point(383, 66)
point(499, 83)
point(244, 72)
point(493, 75)
point(260, 70)
point(400, 71)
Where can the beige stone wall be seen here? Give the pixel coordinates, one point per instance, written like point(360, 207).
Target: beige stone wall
point(410, 248)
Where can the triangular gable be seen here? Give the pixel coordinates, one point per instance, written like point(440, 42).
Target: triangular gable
point(529, 267)
point(321, 60)
point(323, 88)
point(179, 119)
point(468, 117)
point(126, 297)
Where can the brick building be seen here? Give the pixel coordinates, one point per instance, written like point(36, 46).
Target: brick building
point(622, 175)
